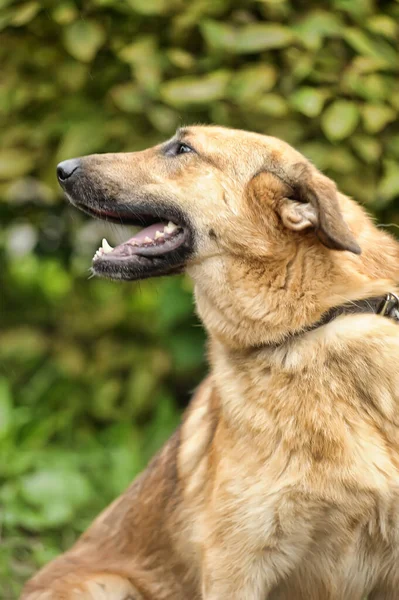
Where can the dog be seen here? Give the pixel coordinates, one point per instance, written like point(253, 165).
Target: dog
point(282, 481)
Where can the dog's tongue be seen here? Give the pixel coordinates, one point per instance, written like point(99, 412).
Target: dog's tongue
point(147, 232)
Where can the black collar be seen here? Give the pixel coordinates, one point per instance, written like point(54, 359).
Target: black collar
point(386, 306)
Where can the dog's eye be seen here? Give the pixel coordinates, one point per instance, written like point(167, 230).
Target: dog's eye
point(177, 148)
point(182, 148)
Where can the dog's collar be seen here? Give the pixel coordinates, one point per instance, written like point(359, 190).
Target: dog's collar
point(386, 306)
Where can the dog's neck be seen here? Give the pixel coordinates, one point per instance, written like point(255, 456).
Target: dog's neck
point(248, 305)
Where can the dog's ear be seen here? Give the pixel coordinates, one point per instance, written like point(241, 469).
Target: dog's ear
point(314, 203)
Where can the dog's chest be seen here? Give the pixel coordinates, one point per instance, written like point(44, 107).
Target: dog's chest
point(308, 449)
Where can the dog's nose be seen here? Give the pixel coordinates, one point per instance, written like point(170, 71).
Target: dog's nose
point(67, 168)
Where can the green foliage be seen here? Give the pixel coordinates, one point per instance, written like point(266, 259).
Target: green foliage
point(92, 373)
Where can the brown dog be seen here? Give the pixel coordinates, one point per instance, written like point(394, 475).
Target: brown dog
point(283, 480)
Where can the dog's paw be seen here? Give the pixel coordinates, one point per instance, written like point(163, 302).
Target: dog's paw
point(99, 587)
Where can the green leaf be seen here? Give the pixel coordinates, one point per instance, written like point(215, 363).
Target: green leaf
point(180, 58)
point(25, 13)
point(150, 7)
point(318, 152)
point(368, 148)
point(247, 39)
point(127, 97)
point(377, 116)
point(373, 87)
point(368, 46)
point(163, 118)
point(383, 25)
point(389, 185)
point(219, 36)
point(317, 25)
point(262, 36)
point(57, 488)
point(144, 57)
point(5, 408)
point(341, 160)
point(195, 90)
point(273, 105)
point(340, 119)
point(65, 12)
point(251, 82)
point(83, 39)
point(358, 9)
point(309, 101)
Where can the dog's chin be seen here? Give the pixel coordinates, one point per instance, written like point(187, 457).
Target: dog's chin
point(162, 246)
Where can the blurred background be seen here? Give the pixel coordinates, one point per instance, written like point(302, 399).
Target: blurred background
point(94, 374)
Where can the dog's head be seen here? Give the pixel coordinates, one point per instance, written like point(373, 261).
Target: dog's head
point(205, 191)
point(211, 198)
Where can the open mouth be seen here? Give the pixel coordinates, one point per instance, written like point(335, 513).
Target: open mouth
point(160, 247)
point(156, 240)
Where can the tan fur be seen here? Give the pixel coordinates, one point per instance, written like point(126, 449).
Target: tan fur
point(283, 480)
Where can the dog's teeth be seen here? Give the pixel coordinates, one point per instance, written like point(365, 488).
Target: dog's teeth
point(106, 247)
point(98, 253)
point(148, 240)
point(158, 234)
point(170, 227)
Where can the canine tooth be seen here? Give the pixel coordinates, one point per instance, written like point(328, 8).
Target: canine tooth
point(148, 240)
point(158, 234)
point(106, 247)
point(170, 227)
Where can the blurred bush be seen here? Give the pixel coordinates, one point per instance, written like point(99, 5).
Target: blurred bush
point(93, 373)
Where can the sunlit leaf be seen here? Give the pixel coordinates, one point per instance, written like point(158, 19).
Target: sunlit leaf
point(251, 82)
point(83, 39)
point(25, 13)
point(218, 35)
point(272, 105)
point(195, 90)
point(383, 25)
point(65, 12)
point(367, 147)
point(247, 39)
point(340, 119)
point(377, 116)
point(180, 58)
point(262, 36)
point(163, 118)
point(309, 101)
point(127, 97)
